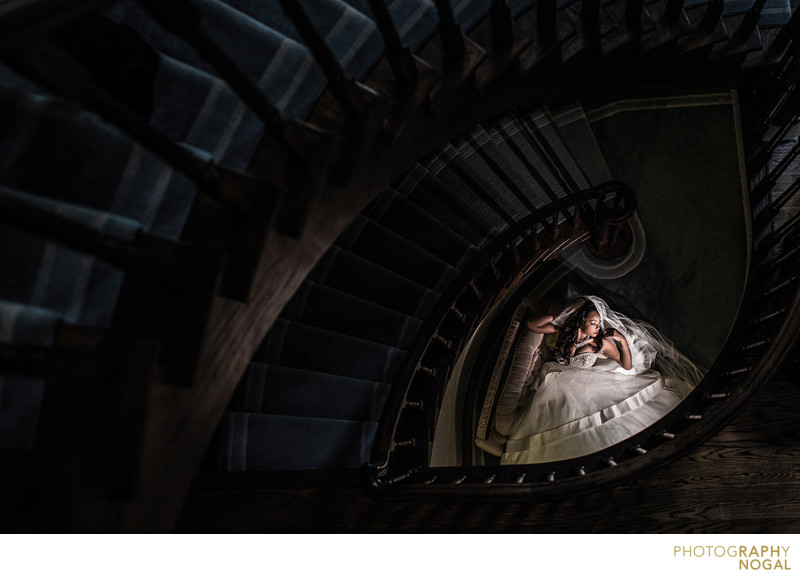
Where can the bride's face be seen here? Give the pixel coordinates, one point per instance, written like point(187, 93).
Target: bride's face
point(591, 325)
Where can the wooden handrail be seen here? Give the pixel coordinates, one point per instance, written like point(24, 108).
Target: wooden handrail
point(416, 352)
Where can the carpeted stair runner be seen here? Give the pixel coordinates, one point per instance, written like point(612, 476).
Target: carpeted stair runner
point(330, 309)
point(356, 276)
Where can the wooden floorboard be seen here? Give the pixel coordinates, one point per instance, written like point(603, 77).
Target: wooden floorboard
point(744, 480)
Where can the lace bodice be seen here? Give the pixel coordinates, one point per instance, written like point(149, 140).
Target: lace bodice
point(584, 360)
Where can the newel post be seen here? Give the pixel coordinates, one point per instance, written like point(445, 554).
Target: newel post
point(612, 235)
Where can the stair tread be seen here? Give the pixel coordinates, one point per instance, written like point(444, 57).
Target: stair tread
point(549, 185)
point(578, 137)
point(345, 271)
point(271, 389)
point(276, 442)
point(507, 153)
point(549, 137)
point(397, 213)
point(330, 309)
point(426, 190)
point(298, 345)
point(380, 245)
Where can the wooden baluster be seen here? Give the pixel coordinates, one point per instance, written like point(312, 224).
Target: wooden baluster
point(778, 261)
point(547, 21)
point(712, 14)
point(576, 218)
point(785, 35)
point(633, 12)
point(673, 11)
point(432, 372)
point(756, 344)
point(784, 163)
point(515, 253)
point(785, 228)
point(351, 96)
point(749, 22)
point(184, 19)
point(402, 476)
point(767, 151)
point(447, 344)
point(780, 102)
point(399, 55)
point(590, 18)
point(495, 271)
point(413, 77)
point(460, 58)
point(458, 314)
point(478, 293)
point(717, 396)
point(737, 371)
point(784, 197)
point(410, 443)
point(777, 87)
point(307, 145)
point(785, 283)
point(767, 317)
point(502, 25)
point(450, 32)
point(556, 227)
point(364, 108)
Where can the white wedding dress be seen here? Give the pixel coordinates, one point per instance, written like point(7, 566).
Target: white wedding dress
point(594, 403)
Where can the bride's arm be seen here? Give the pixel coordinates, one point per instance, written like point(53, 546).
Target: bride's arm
point(543, 325)
point(616, 347)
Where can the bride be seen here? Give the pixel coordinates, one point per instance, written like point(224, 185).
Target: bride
point(611, 378)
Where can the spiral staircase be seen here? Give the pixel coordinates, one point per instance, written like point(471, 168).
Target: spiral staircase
point(280, 196)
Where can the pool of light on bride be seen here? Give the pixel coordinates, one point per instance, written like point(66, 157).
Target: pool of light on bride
point(676, 277)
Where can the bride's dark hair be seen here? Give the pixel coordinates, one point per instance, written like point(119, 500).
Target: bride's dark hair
point(568, 333)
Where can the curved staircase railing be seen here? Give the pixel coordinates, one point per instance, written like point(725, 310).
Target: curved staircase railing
point(591, 216)
point(242, 221)
point(763, 337)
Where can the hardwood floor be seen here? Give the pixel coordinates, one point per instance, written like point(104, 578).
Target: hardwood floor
point(744, 480)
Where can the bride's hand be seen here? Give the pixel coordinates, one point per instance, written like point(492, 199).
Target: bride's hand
point(618, 338)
